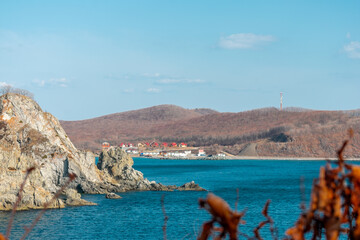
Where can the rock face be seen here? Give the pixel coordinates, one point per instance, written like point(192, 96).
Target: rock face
point(30, 137)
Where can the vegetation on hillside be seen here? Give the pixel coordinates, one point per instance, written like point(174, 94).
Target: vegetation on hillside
point(275, 133)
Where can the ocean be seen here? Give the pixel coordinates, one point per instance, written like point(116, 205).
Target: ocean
point(138, 215)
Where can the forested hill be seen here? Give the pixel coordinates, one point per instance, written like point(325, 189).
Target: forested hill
point(293, 132)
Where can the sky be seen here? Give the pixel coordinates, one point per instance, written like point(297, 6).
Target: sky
point(84, 59)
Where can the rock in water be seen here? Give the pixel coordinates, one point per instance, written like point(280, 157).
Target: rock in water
point(73, 198)
point(190, 186)
point(112, 196)
point(30, 137)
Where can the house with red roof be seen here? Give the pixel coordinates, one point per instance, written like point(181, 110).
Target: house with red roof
point(154, 144)
point(105, 145)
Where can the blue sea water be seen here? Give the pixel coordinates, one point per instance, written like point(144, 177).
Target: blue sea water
point(138, 215)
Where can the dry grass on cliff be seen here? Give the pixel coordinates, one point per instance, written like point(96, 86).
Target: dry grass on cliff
point(334, 208)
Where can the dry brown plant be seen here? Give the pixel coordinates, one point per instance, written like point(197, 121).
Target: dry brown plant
point(334, 208)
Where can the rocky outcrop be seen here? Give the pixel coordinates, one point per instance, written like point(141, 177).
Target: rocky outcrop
point(112, 196)
point(30, 137)
point(117, 172)
point(190, 186)
point(73, 198)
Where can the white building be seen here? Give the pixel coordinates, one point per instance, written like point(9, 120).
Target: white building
point(201, 153)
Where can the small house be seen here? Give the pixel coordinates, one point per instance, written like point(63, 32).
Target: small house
point(154, 144)
point(201, 153)
point(105, 145)
point(182, 145)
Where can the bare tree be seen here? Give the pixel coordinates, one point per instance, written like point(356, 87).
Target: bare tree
point(6, 88)
point(23, 92)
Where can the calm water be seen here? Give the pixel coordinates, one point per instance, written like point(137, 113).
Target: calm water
point(138, 215)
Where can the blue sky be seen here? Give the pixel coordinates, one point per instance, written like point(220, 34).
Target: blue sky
point(84, 59)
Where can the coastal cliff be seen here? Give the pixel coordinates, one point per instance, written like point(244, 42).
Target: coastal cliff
point(31, 137)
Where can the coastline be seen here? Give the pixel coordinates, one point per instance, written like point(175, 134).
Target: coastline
point(255, 158)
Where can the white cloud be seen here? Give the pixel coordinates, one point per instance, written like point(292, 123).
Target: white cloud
point(151, 74)
point(4, 84)
point(177, 80)
point(130, 90)
point(195, 81)
point(348, 35)
point(244, 41)
point(153, 90)
point(353, 49)
point(40, 83)
point(168, 81)
point(60, 82)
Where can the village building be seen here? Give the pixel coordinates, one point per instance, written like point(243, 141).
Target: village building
point(154, 144)
point(182, 145)
point(201, 153)
point(149, 154)
point(132, 151)
point(105, 145)
point(178, 154)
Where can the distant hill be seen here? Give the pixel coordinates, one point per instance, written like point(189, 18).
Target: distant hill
point(292, 132)
point(127, 126)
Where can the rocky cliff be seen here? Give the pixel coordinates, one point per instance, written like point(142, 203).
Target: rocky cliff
point(30, 137)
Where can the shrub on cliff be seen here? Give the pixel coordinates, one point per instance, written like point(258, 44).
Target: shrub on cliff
point(5, 89)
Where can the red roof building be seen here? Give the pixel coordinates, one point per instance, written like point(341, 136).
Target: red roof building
point(105, 145)
point(154, 144)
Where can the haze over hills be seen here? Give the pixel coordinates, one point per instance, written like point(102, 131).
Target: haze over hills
point(293, 132)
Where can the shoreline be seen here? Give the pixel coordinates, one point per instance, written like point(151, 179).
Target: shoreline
point(255, 158)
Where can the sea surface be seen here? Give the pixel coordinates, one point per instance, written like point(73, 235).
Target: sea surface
point(138, 215)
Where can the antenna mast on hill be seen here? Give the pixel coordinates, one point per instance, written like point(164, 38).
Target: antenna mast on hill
point(281, 100)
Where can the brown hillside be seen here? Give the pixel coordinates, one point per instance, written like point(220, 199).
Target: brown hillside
point(302, 133)
point(126, 126)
